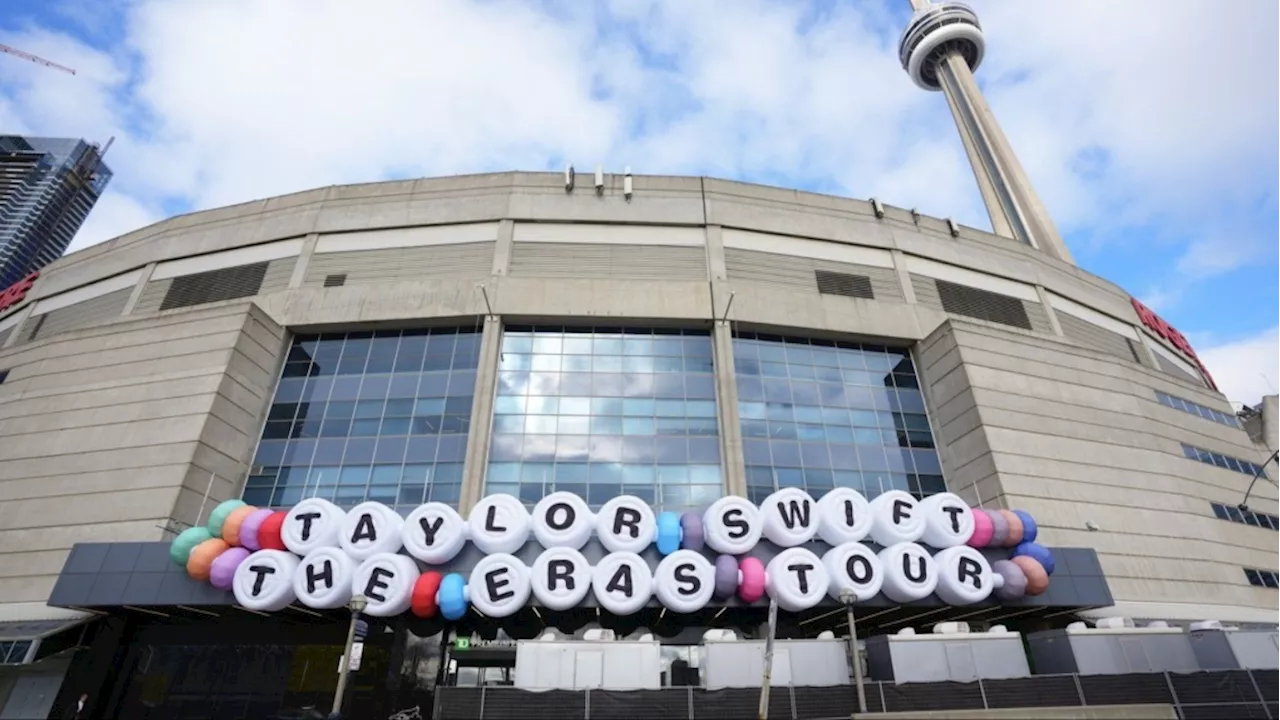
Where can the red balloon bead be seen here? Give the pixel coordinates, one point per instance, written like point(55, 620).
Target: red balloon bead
point(423, 599)
point(269, 531)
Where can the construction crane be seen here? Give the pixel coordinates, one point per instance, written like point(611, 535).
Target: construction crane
point(35, 59)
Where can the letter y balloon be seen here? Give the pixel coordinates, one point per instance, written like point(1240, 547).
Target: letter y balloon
point(319, 555)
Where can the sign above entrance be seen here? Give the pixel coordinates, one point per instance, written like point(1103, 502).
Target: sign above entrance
point(1164, 330)
point(17, 292)
point(320, 555)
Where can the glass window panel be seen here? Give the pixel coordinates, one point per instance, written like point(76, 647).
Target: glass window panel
point(623, 408)
point(605, 473)
point(385, 475)
point(368, 368)
point(375, 386)
point(258, 496)
point(816, 391)
point(404, 385)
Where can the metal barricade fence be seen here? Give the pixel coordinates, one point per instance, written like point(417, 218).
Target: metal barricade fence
point(1215, 694)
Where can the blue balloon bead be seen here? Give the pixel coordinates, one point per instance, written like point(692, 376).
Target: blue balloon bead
point(668, 532)
point(1037, 552)
point(1047, 561)
point(452, 597)
point(1029, 528)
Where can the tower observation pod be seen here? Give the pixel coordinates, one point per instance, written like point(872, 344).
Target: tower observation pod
point(940, 49)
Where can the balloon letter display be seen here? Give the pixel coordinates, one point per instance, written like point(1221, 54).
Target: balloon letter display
point(561, 578)
point(844, 516)
point(684, 581)
point(909, 572)
point(499, 524)
point(789, 517)
point(264, 581)
point(562, 519)
point(312, 523)
point(853, 566)
point(386, 581)
point(797, 579)
point(323, 579)
point(732, 525)
point(434, 533)
point(371, 528)
point(499, 585)
point(622, 583)
point(626, 524)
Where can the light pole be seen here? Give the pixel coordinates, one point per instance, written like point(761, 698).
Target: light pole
point(356, 605)
point(1244, 504)
point(848, 598)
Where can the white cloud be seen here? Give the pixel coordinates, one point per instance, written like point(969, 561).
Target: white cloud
point(220, 102)
point(115, 214)
point(1166, 132)
point(1246, 369)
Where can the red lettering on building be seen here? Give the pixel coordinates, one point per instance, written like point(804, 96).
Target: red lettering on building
point(15, 293)
point(1166, 331)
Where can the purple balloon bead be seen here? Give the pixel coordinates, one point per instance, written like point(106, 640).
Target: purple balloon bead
point(726, 576)
point(223, 570)
point(691, 525)
point(999, 528)
point(1015, 581)
point(249, 528)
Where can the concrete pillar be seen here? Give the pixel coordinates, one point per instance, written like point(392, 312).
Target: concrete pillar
point(715, 254)
point(502, 248)
point(23, 316)
point(1049, 311)
point(1270, 433)
point(304, 259)
point(138, 289)
point(735, 474)
point(481, 413)
point(904, 277)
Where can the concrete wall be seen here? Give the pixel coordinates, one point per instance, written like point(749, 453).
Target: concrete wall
point(132, 416)
point(1078, 439)
point(113, 432)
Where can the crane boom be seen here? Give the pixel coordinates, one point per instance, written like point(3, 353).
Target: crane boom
point(35, 59)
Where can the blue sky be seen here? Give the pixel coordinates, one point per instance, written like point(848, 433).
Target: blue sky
point(1159, 166)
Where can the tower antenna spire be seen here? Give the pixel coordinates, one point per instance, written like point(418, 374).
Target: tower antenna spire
point(940, 49)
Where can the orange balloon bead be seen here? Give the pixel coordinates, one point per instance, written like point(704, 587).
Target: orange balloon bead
point(1037, 578)
point(200, 563)
point(231, 526)
point(1015, 528)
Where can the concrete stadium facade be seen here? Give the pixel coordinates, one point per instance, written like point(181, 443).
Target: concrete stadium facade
point(128, 410)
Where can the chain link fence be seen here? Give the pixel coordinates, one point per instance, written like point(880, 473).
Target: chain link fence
point(1221, 694)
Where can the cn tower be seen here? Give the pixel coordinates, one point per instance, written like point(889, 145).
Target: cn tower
point(940, 49)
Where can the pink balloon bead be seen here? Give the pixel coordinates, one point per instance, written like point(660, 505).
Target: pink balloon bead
point(223, 570)
point(982, 529)
point(249, 528)
point(752, 587)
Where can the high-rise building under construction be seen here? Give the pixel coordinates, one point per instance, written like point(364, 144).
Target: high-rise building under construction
point(47, 188)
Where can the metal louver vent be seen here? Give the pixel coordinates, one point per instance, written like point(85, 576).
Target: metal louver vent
point(982, 304)
point(335, 280)
point(214, 285)
point(837, 283)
